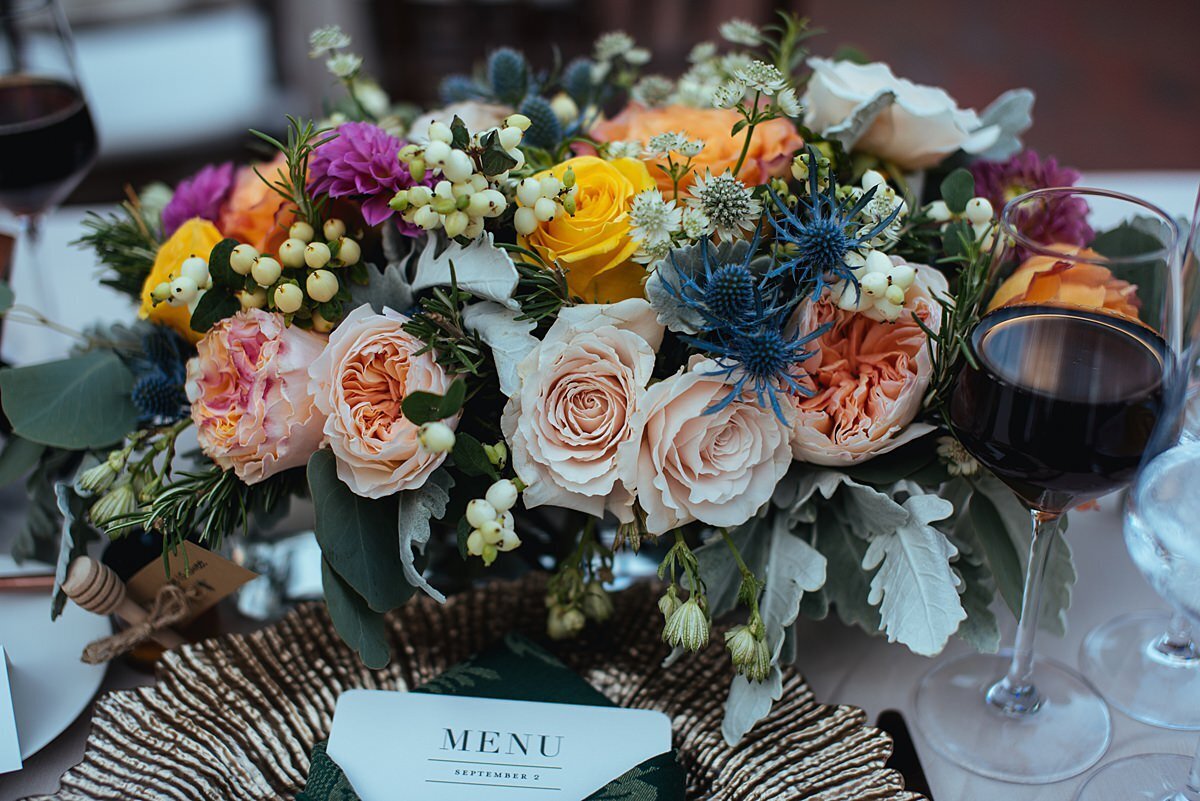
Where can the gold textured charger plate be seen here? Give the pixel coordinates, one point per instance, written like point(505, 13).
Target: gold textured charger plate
point(236, 716)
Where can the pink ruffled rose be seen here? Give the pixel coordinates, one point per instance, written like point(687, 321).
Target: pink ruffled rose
point(868, 377)
point(688, 464)
point(248, 386)
point(359, 381)
point(580, 390)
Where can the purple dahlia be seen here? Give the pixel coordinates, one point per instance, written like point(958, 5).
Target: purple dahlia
point(198, 196)
point(1062, 221)
point(362, 162)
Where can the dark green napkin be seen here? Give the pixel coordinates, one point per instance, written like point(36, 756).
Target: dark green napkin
point(517, 670)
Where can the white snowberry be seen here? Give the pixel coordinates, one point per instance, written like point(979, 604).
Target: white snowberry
point(266, 271)
point(479, 511)
point(321, 285)
point(502, 495)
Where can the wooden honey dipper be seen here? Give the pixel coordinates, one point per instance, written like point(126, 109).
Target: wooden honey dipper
point(96, 588)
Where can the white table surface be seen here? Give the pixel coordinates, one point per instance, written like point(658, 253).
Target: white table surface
point(843, 665)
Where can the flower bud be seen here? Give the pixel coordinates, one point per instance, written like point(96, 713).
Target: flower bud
point(502, 495)
point(597, 604)
point(399, 201)
point(302, 231)
point(562, 624)
point(117, 503)
point(96, 479)
point(569, 178)
point(161, 292)
point(416, 169)
point(420, 195)
point(241, 259)
point(687, 627)
point(749, 651)
point(569, 205)
point(479, 512)
point(518, 121)
point(497, 454)
point(288, 298)
point(436, 437)
point(669, 603)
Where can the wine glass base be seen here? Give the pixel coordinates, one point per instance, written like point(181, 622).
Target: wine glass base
point(1063, 737)
point(1121, 662)
point(1145, 777)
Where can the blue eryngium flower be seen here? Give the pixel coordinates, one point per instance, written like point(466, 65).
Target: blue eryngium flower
point(159, 374)
point(725, 288)
point(821, 231)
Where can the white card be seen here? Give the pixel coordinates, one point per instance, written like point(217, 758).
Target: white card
point(456, 748)
point(10, 748)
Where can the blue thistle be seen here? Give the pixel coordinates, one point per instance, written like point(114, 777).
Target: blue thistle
point(819, 234)
point(545, 131)
point(508, 75)
point(158, 397)
point(159, 374)
point(577, 81)
point(457, 88)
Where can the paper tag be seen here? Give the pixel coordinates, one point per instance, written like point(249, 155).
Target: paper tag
point(456, 748)
point(10, 748)
point(192, 566)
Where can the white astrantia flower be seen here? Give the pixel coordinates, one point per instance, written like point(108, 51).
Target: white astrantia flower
point(739, 31)
point(613, 44)
point(958, 462)
point(638, 56)
point(729, 205)
point(664, 143)
point(652, 219)
point(651, 252)
point(695, 92)
point(762, 77)
point(624, 149)
point(344, 65)
point(691, 148)
point(728, 95)
point(737, 60)
point(695, 223)
point(702, 52)
point(788, 103)
point(653, 91)
point(323, 40)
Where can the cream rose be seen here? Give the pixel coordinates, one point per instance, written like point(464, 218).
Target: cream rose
point(690, 464)
point(367, 370)
point(248, 386)
point(579, 391)
point(868, 377)
point(918, 128)
point(476, 115)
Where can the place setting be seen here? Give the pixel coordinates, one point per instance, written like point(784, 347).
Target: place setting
point(596, 422)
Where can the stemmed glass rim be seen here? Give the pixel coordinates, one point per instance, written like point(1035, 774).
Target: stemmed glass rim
point(1008, 227)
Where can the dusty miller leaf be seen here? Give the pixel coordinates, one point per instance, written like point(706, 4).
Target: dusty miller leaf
point(480, 268)
point(1012, 112)
point(851, 129)
point(748, 703)
point(416, 508)
point(510, 340)
point(389, 289)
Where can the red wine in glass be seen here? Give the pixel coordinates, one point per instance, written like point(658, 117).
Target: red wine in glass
point(47, 142)
point(1062, 401)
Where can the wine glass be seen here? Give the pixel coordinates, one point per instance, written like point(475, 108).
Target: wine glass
point(1059, 401)
point(1147, 664)
point(1161, 514)
point(47, 138)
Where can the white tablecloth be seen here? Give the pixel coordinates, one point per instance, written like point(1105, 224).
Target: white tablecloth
point(843, 665)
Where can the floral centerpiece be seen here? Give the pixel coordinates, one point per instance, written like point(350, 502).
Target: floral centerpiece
point(714, 316)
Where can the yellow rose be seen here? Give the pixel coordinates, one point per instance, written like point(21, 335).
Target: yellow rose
point(196, 237)
point(593, 246)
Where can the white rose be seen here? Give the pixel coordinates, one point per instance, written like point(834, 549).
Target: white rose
point(688, 464)
point(475, 114)
point(911, 125)
point(579, 391)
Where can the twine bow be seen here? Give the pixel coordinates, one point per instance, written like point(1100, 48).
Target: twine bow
point(171, 605)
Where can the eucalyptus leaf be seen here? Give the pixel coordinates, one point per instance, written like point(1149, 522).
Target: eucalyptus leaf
point(415, 509)
point(78, 403)
point(358, 626)
point(357, 536)
point(19, 456)
point(915, 589)
point(957, 188)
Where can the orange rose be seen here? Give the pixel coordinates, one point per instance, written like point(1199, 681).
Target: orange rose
point(1045, 279)
point(255, 213)
point(770, 154)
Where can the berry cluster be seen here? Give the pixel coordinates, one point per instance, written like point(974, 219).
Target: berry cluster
point(543, 199)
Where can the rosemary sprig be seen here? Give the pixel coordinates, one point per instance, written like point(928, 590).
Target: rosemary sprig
point(542, 288)
point(302, 139)
point(125, 244)
point(439, 324)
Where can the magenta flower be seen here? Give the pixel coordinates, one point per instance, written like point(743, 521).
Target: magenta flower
point(1064, 221)
point(198, 196)
point(362, 162)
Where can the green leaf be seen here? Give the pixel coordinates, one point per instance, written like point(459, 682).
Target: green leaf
point(222, 274)
point(18, 458)
point(357, 536)
point(6, 297)
point(739, 126)
point(957, 188)
point(980, 629)
point(414, 511)
point(847, 586)
point(78, 403)
point(426, 407)
point(358, 626)
point(462, 532)
point(460, 137)
point(893, 466)
point(989, 532)
point(495, 158)
point(214, 305)
point(471, 458)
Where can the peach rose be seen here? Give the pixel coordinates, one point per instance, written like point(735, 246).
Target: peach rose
point(1045, 279)
point(771, 148)
point(248, 386)
point(255, 213)
point(868, 378)
point(689, 464)
point(580, 389)
point(359, 381)
point(593, 245)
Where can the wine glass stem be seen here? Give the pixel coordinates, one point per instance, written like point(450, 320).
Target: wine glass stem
point(1178, 644)
point(1015, 695)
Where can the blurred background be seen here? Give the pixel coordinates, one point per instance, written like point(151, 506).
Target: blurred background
point(175, 84)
